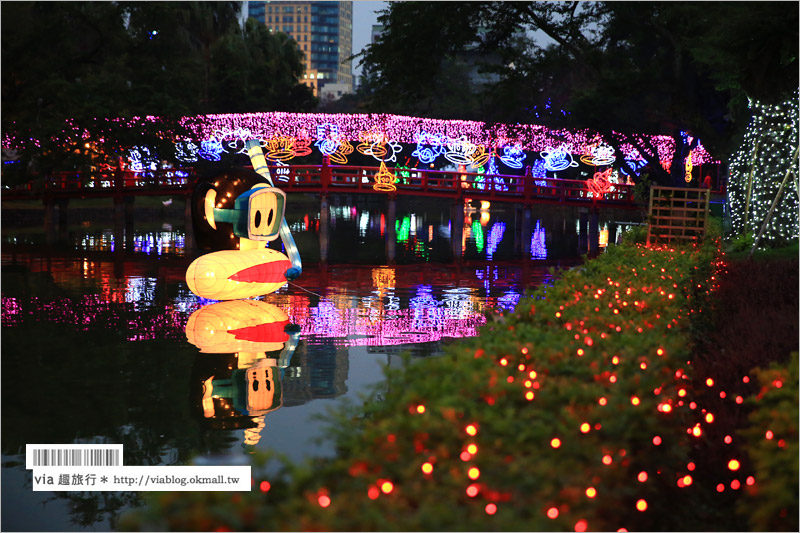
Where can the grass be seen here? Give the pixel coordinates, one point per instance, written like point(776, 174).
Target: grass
point(787, 252)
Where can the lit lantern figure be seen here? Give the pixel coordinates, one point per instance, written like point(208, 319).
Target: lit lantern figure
point(239, 211)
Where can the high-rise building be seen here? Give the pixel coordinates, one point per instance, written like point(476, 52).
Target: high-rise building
point(322, 30)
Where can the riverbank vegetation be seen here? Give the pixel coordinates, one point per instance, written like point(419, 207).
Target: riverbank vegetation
point(603, 402)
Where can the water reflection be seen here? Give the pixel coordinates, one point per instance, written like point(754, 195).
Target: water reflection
point(119, 326)
point(358, 229)
point(262, 341)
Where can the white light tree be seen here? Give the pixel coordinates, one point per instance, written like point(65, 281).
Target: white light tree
point(763, 190)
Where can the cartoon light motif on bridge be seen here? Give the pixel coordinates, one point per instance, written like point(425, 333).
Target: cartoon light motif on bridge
point(558, 159)
point(493, 173)
point(332, 144)
point(429, 147)
point(600, 183)
point(600, 154)
point(385, 180)
point(539, 173)
point(280, 148)
point(461, 151)
point(186, 151)
point(513, 156)
point(236, 214)
point(141, 158)
point(378, 145)
point(211, 149)
point(632, 166)
point(262, 340)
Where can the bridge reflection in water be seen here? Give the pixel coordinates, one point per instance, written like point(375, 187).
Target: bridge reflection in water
point(325, 181)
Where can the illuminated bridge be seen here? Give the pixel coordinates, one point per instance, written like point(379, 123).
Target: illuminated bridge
point(326, 179)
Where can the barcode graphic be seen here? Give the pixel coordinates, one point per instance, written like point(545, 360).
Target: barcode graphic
point(73, 455)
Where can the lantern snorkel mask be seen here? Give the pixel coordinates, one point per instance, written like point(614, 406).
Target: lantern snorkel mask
point(257, 214)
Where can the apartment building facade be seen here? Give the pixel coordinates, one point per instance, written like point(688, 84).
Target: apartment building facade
point(322, 30)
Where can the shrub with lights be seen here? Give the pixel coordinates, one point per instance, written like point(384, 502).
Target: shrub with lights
point(764, 173)
point(772, 445)
point(578, 411)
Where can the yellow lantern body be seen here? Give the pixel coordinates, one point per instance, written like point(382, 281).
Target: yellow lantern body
point(236, 274)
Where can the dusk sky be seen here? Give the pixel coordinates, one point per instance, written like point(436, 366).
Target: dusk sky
point(364, 16)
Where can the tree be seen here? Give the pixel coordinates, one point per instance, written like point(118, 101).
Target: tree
point(80, 78)
point(415, 61)
point(56, 67)
point(255, 70)
point(619, 68)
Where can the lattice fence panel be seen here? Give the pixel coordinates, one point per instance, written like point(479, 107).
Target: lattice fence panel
point(677, 213)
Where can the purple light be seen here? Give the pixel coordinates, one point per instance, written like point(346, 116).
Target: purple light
point(401, 129)
point(538, 247)
point(494, 238)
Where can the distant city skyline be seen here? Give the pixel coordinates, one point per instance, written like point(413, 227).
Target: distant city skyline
point(365, 16)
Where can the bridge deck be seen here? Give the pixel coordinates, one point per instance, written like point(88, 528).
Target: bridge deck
point(331, 179)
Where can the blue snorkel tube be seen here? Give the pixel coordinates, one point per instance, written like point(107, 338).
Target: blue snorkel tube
point(260, 165)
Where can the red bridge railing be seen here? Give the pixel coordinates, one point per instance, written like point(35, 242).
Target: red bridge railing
point(327, 179)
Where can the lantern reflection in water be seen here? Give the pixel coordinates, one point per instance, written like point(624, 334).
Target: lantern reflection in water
point(262, 340)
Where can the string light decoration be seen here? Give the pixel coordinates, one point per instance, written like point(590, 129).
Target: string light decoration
point(212, 136)
point(429, 147)
point(513, 156)
point(688, 168)
point(766, 157)
point(538, 171)
point(600, 183)
point(599, 155)
point(557, 159)
point(385, 180)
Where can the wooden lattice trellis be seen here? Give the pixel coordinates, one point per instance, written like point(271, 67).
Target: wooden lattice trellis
point(677, 213)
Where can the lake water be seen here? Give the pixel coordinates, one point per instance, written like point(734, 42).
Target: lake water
point(100, 341)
